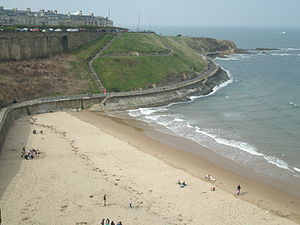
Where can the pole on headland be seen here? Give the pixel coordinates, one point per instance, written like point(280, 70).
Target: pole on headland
point(139, 22)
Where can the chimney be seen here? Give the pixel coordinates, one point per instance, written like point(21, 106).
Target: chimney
point(28, 9)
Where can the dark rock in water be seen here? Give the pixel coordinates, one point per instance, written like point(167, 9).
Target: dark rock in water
point(267, 49)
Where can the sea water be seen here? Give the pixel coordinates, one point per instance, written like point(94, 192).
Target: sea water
point(253, 119)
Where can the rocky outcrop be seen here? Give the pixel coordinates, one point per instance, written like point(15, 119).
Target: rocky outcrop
point(211, 45)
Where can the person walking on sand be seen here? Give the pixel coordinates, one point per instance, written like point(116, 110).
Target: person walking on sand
point(103, 221)
point(238, 190)
point(130, 203)
point(104, 200)
point(107, 222)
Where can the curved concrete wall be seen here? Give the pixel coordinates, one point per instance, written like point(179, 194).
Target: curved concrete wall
point(18, 110)
point(28, 45)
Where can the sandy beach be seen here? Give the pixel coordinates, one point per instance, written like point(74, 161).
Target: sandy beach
point(85, 155)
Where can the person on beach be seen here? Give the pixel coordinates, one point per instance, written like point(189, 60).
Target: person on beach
point(107, 221)
point(23, 152)
point(238, 190)
point(104, 200)
point(0, 217)
point(130, 203)
point(103, 221)
point(112, 223)
point(120, 223)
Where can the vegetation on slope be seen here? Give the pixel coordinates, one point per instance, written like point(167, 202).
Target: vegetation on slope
point(124, 73)
point(22, 80)
point(63, 74)
point(141, 42)
point(83, 55)
point(158, 61)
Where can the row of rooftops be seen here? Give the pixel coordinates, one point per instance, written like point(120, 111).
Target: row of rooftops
point(43, 13)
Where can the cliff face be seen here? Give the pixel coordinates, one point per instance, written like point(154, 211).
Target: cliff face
point(210, 45)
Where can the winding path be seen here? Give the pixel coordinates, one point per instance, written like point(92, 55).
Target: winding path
point(95, 75)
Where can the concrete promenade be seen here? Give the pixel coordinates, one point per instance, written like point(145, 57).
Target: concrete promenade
point(133, 99)
point(43, 105)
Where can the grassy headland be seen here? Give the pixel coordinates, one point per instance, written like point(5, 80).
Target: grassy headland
point(134, 60)
point(148, 59)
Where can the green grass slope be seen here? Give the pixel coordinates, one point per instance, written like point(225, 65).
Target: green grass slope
point(141, 42)
point(124, 73)
point(82, 55)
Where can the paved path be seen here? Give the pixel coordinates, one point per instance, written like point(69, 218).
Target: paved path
point(95, 75)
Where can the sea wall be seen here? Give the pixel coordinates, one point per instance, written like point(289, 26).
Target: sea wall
point(201, 85)
point(29, 45)
point(18, 110)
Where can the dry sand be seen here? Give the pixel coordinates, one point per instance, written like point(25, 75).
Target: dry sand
point(85, 155)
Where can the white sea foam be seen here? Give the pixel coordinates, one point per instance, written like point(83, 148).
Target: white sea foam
point(277, 162)
point(296, 169)
point(145, 111)
point(293, 104)
point(178, 120)
point(281, 54)
point(233, 143)
point(290, 49)
point(216, 88)
point(228, 59)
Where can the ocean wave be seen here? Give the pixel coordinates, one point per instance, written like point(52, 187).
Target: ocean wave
point(227, 59)
point(145, 111)
point(182, 127)
point(281, 54)
point(232, 143)
point(277, 162)
point(178, 120)
point(216, 88)
point(289, 49)
point(234, 57)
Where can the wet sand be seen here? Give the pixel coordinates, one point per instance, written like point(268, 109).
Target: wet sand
point(86, 155)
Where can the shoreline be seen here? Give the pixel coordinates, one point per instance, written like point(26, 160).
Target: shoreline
point(172, 150)
point(86, 155)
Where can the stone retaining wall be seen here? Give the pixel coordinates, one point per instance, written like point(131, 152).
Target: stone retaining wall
point(29, 45)
point(159, 96)
point(18, 110)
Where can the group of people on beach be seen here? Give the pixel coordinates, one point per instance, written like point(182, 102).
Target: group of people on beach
point(181, 184)
point(30, 154)
point(209, 177)
point(107, 222)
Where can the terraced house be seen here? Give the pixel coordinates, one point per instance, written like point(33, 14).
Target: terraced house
point(50, 17)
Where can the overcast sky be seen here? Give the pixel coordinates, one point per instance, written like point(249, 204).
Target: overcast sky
point(274, 13)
